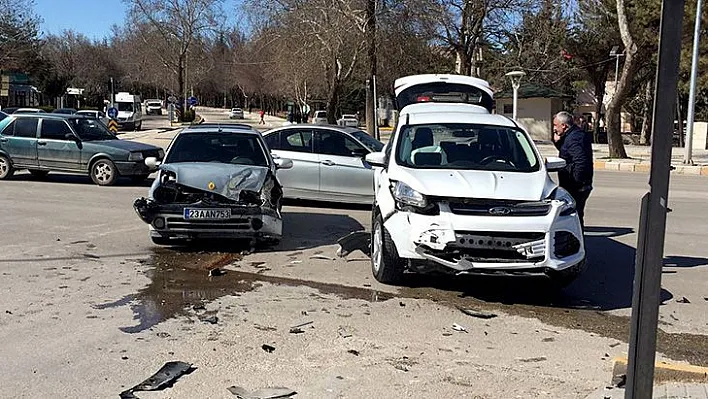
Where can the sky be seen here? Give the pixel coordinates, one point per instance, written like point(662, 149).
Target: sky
point(93, 18)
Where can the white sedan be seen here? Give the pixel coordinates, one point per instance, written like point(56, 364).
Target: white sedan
point(348, 120)
point(236, 113)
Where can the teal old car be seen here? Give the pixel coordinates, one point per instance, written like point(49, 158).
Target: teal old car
point(74, 143)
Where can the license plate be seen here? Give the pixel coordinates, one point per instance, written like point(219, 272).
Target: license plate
point(206, 214)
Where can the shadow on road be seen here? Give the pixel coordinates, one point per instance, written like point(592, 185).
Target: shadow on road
point(326, 205)
point(62, 178)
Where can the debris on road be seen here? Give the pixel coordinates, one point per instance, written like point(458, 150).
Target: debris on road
point(268, 348)
point(619, 381)
point(358, 240)
point(477, 313)
point(295, 330)
point(615, 344)
point(549, 339)
point(210, 319)
point(401, 304)
point(353, 352)
point(199, 306)
point(683, 300)
point(460, 328)
point(163, 334)
point(165, 377)
point(323, 257)
point(216, 272)
point(344, 332)
point(264, 328)
point(263, 393)
point(8, 312)
point(534, 359)
point(295, 262)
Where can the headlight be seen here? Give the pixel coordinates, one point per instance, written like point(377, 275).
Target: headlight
point(135, 156)
point(406, 195)
point(560, 194)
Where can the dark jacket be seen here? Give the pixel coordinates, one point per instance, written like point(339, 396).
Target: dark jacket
point(576, 148)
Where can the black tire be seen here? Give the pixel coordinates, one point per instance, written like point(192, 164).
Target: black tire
point(104, 172)
point(160, 240)
point(39, 173)
point(6, 169)
point(563, 278)
point(386, 266)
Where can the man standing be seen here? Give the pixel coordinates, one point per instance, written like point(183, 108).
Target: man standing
point(575, 147)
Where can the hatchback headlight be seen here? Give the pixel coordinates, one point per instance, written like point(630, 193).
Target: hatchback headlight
point(135, 156)
point(405, 194)
point(560, 194)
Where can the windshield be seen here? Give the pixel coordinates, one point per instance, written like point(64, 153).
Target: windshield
point(126, 107)
point(234, 148)
point(466, 147)
point(91, 129)
point(370, 142)
point(154, 104)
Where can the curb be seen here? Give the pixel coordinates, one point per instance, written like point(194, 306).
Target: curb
point(696, 170)
point(666, 372)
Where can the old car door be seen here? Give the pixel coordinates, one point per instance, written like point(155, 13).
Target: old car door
point(54, 149)
point(19, 139)
point(343, 173)
point(302, 180)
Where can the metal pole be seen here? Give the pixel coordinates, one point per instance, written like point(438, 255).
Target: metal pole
point(113, 101)
point(646, 295)
point(516, 90)
point(692, 94)
point(376, 111)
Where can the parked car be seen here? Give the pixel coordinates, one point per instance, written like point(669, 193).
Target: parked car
point(9, 110)
point(236, 113)
point(319, 118)
point(153, 107)
point(66, 111)
point(328, 162)
point(348, 120)
point(462, 190)
point(94, 114)
point(70, 143)
point(217, 181)
point(29, 111)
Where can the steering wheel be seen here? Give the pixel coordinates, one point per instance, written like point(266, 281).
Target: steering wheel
point(491, 158)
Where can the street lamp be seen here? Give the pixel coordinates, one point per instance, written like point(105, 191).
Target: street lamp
point(687, 159)
point(515, 77)
point(617, 55)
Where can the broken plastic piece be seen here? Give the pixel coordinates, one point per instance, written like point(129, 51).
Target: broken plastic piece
point(353, 352)
point(216, 272)
point(477, 313)
point(211, 319)
point(683, 300)
point(323, 257)
point(458, 327)
point(268, 348)
point(263, 393)
point(165, 377)
point(358, 240)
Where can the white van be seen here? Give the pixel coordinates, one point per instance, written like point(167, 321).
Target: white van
point(130, 111)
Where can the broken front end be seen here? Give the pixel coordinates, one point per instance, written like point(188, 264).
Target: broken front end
point(193, 203)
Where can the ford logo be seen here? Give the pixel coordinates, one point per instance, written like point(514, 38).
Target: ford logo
point(500, 211)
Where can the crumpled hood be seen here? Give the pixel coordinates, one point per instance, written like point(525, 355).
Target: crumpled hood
point(476, 183)
point(224, 179)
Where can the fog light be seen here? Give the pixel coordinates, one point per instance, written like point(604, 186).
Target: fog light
point(257, 224)
point(159, 223)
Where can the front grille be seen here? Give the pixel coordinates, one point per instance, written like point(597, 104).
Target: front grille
point(491, 246)
point(230, 224)
point(565, 244)
point(487, 207)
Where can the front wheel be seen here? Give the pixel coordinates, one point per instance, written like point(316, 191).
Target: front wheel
point(104, 172)
point(6, 169)
point(563, 278)
point(386, 266)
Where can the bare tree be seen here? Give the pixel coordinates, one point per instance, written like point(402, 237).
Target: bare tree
point(19, 34)
point(179, 24)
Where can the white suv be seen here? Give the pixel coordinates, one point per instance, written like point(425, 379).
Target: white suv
point(460, 189)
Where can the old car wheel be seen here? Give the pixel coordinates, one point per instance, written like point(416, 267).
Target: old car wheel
point(6, 169)
point(39, 173)
point(386, 265)
point(563, 278)
point(104, 172)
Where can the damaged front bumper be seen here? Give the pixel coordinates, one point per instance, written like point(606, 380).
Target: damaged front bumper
point(221, 221)
point(524, 245)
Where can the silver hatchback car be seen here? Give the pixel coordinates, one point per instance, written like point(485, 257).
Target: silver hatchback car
point(328, 162)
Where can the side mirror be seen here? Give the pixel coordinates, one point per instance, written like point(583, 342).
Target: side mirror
point(554, 164)
point(152, 162)
point(360, 152)
point(376, 159)
point(283, 163)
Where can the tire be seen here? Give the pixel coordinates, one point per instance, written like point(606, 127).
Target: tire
point(6, 169)
point(39, 173)
point(104, 172)
point(160, 240)
point(386, 266)
point(563, 278)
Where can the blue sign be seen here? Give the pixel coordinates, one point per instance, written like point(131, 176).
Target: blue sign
point(192, 100)
point(112, 112)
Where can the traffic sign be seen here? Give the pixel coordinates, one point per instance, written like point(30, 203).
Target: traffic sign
point(172, 99)
point(113, 125)
point(192, 100)
point(112, 112)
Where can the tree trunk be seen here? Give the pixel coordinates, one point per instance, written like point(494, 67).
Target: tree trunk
point(332, 100)
point(614, 109)
point(180, 82)
point(599, 98)
point(371, 47)
point(613, 121)
point(462, 64)
point(645, 138)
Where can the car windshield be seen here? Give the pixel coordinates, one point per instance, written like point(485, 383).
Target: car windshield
point(370, 142)
point(154, 103)
point(91, 129)
point(126, 107)
point(466, 147)
point(234, 148)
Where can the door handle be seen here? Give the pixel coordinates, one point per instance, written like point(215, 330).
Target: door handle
point(41, 143)
point(327, 162)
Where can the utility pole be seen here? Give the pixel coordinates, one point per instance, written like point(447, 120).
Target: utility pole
point(113, 97)
point(371, 123)
point(688, 147)
point(646, 295)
